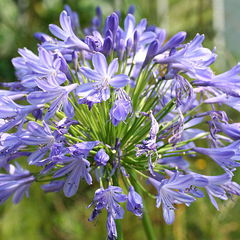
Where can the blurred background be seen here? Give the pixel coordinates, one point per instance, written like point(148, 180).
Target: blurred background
point(53, 216)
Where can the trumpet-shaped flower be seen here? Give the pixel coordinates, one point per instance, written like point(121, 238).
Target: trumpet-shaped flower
point(16, 183)
point(102, 77)
point(170, 192)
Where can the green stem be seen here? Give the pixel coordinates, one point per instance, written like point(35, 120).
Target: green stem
point(119, 229)
point(147, 225)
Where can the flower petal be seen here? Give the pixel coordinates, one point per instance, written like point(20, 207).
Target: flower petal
point(113, 67)
point(120, 80)
point(100, 63)
point(91, 74)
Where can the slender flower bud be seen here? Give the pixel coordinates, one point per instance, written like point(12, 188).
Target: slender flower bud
point(134, 202)
point(173, 42)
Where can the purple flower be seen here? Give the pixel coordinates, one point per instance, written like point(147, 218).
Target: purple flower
point(74, 18)
point(170, 192)
point(103, 76)
point(23, 71)
point(112, 25)
point(121, 108)
point(45, 66)
point(83, 148)
point(78, 168)
point(9, 144)
point(231, 130)
point(225, 157)
point(177, 129)
point(52, 91)
point(227, 82)
point(192, 59)
point(109, 199)
point(15, 94)
point(149, 144)
point(96, 42)
point(151, 52)
point(17, 182)
point(183, 91)
point(54, 186)
point(111, 228)
point(66, 34)
point(232, 188)
point(232, 102)
point(14, 113)
point(134, 202)
point(57, 155)
point(36, 134)
point(130, 28)
point(131, 9)
point(215, 186)
point(7, 156)
point(176, 161)
point(173, 42)
point(101, 158)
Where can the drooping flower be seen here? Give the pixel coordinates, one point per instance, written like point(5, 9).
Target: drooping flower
point(170, 192)
point(231, 130)
point(78, 167)
point(134, 202)
point(149, 144)
point(225, 157)
point(54, 186)
point(111, 228)
point(14, 113)
point(109, 199)
point(192, 59)
point(227, 82)
point(215, 186)
point(16, 183)
point(52, 91)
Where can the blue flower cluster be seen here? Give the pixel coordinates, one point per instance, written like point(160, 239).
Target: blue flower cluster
point(119, 107)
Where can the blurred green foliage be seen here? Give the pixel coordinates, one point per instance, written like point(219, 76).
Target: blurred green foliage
point(53, 216)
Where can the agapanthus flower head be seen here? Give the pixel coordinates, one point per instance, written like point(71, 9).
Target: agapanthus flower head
point(115, 104)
